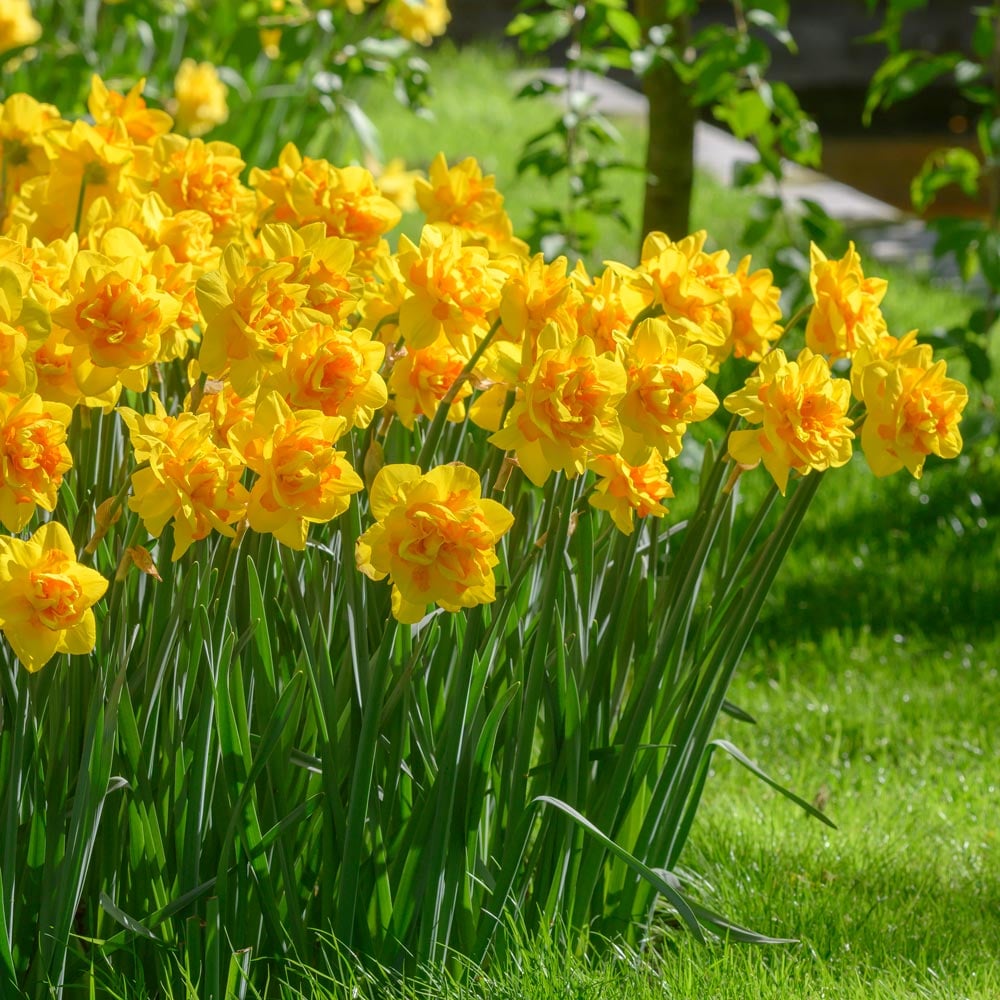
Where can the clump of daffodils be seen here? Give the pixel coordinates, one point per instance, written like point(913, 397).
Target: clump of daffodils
point(265, 348)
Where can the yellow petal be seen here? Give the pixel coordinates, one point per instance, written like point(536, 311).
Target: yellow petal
point(34, 647)
point(384, 494)
point(406, 611)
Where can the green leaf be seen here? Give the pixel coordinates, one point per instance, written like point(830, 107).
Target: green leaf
point(120, 916)
point(8, 974)
point(745, 113)
point(941, 169)
point(988, 133)
point(626, 27)
point(539, 87)
point(520, 23)
point(655, 877)
point(732, 931)
point(776, 28)
point(538, 33)
point(258, 613)
point(984, 36)
point(739, 756)
point(735, 712)
point(904, 75)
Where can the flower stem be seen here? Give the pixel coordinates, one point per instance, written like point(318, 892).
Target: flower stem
point(79, 206)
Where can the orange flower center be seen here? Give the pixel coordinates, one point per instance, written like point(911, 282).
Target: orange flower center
point(55, 596)
point(118, 320)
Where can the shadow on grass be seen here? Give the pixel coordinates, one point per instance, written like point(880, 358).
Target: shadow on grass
point(897, 555)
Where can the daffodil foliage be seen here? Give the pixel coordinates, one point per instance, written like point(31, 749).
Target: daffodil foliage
point(340, 595)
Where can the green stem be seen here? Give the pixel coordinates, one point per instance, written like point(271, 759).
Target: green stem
point(392, 318)
point(79, 206)
point(651, 311)
point(796, 317)
point(361, 787)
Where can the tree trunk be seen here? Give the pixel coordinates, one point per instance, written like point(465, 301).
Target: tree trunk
point(670, 148)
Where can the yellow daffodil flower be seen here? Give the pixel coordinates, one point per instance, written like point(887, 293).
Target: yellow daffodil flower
point(33, 456)
point(628, 491)
point(434, 537)
point(802, 413)
point(46, 597)
point(846, 314)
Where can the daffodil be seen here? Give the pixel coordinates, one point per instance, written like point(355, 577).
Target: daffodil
point(753, 300)
point(46, 597)
point(250, 317)
point(33, 456)
point(453, 290)
point(189, 479)
point(801, 411)
point(300, 190)
point(199, 102)
point(461, 197)
point(666, 391)
point(846, 313)
point(143, 124)
point(333, 370)
point(193, 174)
point(689, 286)
point(434, 537)
point(17, 25)
point(302, 478)
point(628, 491)
point(419, 20)
point(566, 412)
point(914, 410)
point(421, 379)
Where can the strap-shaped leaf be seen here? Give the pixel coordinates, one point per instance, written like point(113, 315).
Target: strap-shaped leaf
point(740, 756)
point(740, 714)
point(734, 932)
point(8, 975)
point(653, 877)
point(120, 916)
